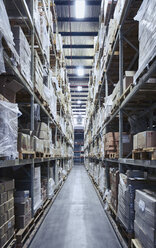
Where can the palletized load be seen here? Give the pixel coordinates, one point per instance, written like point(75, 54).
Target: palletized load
point(22, 208)
point(147, 34)
point(128, 184)
point(24, 52)
point(5, 32)
point(7, 218)
point(145, 218)
point(114, 181)
point(112, 144)
point(8, 129)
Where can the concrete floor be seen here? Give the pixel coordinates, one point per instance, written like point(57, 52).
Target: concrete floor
point(76, 219)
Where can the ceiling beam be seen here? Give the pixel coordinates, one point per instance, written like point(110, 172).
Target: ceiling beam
point(75, 75)
point(76, 67)
point(84, 100)
point(74, 19)
point(79, 79)
point(78, 46)
point(71, 2)
point(79, 57)
point(79, 33)
point(79, 96)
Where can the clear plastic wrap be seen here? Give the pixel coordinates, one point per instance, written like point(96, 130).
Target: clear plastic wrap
point(147, 32)
point(5, 29)
point(9, 113)
point(37, 188)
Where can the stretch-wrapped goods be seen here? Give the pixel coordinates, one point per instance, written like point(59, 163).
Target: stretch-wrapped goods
point(9, 113)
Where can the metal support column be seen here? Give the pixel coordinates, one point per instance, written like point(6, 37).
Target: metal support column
point(48, 168)
point(121, 91)
point(32, 104)
point(32, 189)
point(106, 85)
point(55, 136)
point(107, 174)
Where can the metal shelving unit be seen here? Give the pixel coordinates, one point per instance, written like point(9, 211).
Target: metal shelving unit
point(25, 17)
point(130, 104)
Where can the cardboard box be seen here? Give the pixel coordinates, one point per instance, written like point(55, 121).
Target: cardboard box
point(23, 220)
point(23, 207)
point(3, 198)
point(144, 140)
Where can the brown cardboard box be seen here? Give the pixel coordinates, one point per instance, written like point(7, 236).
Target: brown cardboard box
point(3, 219)
point(23, 207)
point(3, 240)
point(2, 188)
point(10, 213)
point(144, 139)
point(2, 209)
point(23, 220)
point(10, 194)
point(9, 204)
point(2, 230)
point(3, 198)
point(9, 184)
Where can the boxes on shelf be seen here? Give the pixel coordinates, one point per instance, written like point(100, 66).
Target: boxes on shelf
point(38, 75)
point(128, 184)
point(44, 36)
point(24, 52)
point(112, 143)
point(8, 129)
point(37, 188)
point(144, 139)
point(7, 218)
point(38, 145)
point(42, 131)
point(120, 6)
point(102, 180)
point(25, 142)
point(145, 218)
point(147, 31)
point(114, 181)
point(22, 209)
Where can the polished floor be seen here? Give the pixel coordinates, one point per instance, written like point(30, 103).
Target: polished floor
point(76, 219)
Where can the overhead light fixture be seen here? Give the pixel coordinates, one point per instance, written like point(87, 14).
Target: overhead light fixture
point(80, 71)
point(79, 102)
point(80, 8)
point(79, 88)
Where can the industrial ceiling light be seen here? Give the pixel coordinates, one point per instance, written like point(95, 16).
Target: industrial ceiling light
point(80, 8)
point(79, 102)
point(80, 71)
point(79, 88)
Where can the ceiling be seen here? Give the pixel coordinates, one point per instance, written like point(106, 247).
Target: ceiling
point(78, 43)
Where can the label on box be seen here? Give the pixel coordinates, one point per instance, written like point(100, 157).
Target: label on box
point(142, 205)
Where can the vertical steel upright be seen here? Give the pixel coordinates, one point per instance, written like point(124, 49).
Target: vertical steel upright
point(32, 102)
point(121, 92)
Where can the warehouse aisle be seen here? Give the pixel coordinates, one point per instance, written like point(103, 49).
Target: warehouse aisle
point(76, 219)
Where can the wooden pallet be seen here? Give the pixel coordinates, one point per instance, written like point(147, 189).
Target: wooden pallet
point(26, 154)
point(10, 243)
point(24, 233)
point(126, 93)
point(47, 155)
point(111, 155)
point(112, 209)
point(39, 155)
point(135, 243)
point(40, 97)
point(127, 235)
point(144, 154)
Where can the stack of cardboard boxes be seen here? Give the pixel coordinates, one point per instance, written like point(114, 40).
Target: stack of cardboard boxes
point(112, 144)
point(7, 218)
point(145, 218)
point(114, 181)
point(22, 208)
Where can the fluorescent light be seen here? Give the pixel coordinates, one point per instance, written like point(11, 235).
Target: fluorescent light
point(79, 88)
point(79, 102)
point(80, 8)
point(80, 71)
